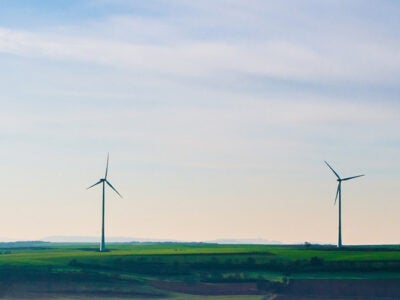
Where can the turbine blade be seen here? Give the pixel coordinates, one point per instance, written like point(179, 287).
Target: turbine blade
point(113, 188)
point(337, 193)
point(334, 172)
point(108, 156)
point(348, 178)
point(94, 184)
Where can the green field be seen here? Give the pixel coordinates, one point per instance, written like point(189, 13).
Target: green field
point(173, 270)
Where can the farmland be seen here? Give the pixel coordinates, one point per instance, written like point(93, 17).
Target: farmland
point(191, 271)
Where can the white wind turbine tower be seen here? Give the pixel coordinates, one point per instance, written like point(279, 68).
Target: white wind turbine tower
point(339, 193)
point(104, 181)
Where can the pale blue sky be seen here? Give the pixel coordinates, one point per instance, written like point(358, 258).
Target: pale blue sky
point(217, 114)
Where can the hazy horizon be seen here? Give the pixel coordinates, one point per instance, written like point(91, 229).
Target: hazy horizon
point(218, 116)
point(122, 239)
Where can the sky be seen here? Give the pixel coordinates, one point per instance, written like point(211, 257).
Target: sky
point(217, 114)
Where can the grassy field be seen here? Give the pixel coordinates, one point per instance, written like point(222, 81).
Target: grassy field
point(173, 270)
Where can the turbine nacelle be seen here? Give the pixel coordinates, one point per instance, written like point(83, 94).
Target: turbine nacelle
point(102, 180)
point(340, 179)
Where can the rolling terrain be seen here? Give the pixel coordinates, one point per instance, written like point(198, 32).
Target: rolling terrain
point(193, 271)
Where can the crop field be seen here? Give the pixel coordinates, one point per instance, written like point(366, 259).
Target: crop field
point(195, 271)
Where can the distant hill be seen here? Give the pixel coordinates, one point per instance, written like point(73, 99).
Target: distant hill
point(91, 239)
point(23, 244)
point(246, 241)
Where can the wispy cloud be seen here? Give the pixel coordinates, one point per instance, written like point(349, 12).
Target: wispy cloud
point(166, 47)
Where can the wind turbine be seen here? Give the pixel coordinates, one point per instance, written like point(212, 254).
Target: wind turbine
point(339, 193)
point(104, 181)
